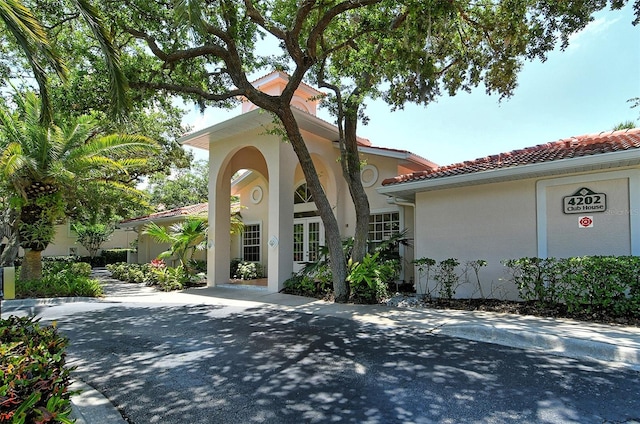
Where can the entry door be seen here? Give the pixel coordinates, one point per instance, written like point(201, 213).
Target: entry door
point(308, 236)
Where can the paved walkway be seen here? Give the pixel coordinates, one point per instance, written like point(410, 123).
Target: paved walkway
point(615, 345)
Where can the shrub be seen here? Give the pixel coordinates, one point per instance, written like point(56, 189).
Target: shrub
point(132, 273)
point(590, 284)
point(199, 265)
point(368, 280)
point(445, 275)
point(155, 273)
point(305, 285)
point(34, 380)
point(233, 267)
point(60, 279)
point(95, 262)
point(81, 269)
point(171, 278)
point(248, 271)
point(424, 267)
point(113, 256)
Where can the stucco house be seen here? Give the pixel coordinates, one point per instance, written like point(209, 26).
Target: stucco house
point(282, 226)
point(66, 243)
point(571, 197)
point(147, 248)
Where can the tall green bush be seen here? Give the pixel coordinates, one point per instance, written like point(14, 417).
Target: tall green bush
point(589, 284)
point(369, 280)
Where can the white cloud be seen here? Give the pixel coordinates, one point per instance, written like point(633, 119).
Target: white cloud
point(595, 28)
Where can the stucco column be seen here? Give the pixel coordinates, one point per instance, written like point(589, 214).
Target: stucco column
point(281, 163)
point(218, 254)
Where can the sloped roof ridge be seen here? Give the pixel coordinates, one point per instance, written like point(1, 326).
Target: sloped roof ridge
point(575, 146)
point(180, 211)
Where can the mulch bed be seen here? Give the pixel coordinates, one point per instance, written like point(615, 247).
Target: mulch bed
point(527, 308)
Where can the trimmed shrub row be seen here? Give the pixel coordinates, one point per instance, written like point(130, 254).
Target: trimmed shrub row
point(590, 284)
point(107, 256)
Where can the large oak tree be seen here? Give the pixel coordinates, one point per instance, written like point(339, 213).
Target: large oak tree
point(407, 50)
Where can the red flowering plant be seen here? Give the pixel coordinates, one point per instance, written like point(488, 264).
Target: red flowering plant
point(158, 264)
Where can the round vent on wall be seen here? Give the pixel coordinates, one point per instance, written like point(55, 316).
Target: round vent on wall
point(256, 195)
point(369, 175)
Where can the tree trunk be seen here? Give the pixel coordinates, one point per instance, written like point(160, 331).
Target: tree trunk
point(351, 171)
point(334, 239)
point(8, 229)
point(10, 251)
point(31, 265)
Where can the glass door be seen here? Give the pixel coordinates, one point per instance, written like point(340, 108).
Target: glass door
point(308, 236)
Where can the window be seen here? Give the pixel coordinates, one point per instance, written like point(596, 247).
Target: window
point(302, 195)
point(382, 226)
point(251, 243)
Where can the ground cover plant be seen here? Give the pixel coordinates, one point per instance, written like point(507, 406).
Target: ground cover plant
point(61, 278)
point(591, 288)
point(34, 379)
point(157, 274)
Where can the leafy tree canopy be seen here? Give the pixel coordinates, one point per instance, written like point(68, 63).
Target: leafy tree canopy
point(182, 188)
point(94, 81)
point(408, 50)
point(44, 166)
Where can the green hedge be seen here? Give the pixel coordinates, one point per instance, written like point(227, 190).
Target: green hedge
point(113, 256)
point(34, 381)
point(590, 284)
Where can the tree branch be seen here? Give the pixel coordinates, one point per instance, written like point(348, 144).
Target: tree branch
point(177, 88)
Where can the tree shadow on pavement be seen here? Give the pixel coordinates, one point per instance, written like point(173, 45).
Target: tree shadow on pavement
point(216, 364)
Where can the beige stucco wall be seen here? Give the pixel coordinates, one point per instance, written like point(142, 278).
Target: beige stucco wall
point(148, 249)
point(254, 203)
point(66, 239)
point(610, 234)
point(525, 218)
point(491, 222)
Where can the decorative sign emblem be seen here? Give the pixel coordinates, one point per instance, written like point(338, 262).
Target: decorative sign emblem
point(585, 200)
point(585, 222)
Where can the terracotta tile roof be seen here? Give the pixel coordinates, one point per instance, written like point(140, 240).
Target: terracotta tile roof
point(584, 145)
point(197, 209)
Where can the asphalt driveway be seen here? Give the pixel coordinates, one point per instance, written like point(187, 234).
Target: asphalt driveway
point(161, 363)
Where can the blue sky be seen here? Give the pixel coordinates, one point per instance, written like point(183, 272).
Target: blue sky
point(581, 90)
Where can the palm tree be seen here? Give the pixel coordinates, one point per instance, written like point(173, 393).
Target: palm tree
point(44, 166)
point(21, 23)
point(184, 238)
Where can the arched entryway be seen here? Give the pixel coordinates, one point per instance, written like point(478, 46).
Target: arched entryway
point(267, 202)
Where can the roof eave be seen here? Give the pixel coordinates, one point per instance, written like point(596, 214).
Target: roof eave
point(395, 154)
point(564, 166)
point(236, 125)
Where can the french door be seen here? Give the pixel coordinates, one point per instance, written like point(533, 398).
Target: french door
point(308, 236)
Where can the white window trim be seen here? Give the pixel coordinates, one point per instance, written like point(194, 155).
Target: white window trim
point(242, 245)
point(401, 247)
point(633, 175)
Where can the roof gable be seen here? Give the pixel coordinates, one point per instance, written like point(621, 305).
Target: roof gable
point(191, 210)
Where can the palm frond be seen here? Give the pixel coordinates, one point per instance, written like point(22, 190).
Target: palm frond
point(32, 39)
point(118, 81)
point(157, 233)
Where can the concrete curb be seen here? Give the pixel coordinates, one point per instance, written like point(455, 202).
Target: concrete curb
point(561, 346)
point(91, 407)
point(22, 303)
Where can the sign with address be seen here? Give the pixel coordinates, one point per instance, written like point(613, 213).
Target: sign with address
point(585, 200)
